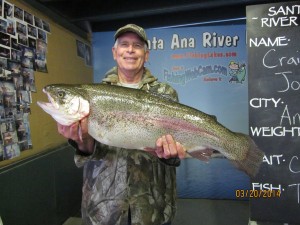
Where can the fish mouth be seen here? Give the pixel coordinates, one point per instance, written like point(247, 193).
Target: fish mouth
point(50, 107)
point(55, 106)
point(51, 100)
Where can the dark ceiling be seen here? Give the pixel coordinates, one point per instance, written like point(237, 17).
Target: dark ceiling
point(98, 15)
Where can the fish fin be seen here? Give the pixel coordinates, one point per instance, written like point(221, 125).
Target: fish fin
point(150, 150)
point(214, 117)
point(217, 154)
point(251, 163)
point(80, 133)
point(201, 154)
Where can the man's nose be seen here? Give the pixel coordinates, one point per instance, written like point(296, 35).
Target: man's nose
point(130, 48)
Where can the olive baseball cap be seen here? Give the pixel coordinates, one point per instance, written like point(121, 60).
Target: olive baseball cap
point(132, 28)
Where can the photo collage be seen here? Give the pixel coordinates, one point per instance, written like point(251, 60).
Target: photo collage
point(23, 48)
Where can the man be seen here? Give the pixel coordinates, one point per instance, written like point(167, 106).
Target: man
point(122, 186)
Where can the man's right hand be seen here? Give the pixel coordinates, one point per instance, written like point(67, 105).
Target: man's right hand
point(78, 132)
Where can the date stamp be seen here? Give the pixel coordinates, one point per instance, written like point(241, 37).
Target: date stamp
point(240, 193)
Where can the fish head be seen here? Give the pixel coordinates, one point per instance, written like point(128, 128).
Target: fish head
point(66, 105)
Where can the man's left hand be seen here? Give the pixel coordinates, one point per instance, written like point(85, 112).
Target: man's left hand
point(167, 147)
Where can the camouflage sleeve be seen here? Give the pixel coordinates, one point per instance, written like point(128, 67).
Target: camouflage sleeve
point(164, 90)
point(81, 158)
point(171, 92)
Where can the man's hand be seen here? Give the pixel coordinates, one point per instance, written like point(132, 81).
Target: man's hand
point(78, 132)
point(167, 147)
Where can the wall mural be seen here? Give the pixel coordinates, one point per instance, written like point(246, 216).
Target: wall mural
point(23, 47)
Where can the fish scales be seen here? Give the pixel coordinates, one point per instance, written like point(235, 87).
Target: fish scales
point(135, 119)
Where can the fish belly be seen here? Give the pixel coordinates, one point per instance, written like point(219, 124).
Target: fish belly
point(141, 131)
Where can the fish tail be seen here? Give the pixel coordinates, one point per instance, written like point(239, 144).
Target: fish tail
point(251, 163)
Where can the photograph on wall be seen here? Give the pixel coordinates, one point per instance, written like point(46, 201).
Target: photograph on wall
point(41, 49)
point(18, 13)
point(22, 39)
point(32, 31)
point(16, 55)
point(41, 65)
point(7, 10)
point(18, 82)
point(9, 99)
point(11, 27)
point(2, 114)
point(38, 22)
point(14, 67)
point(4, 39)
point(42, 35)
point(80, 49)
point(14, 44)
point(84, 51)
point(3, 25)
point(31, 42)
point(21, 28)
point(28, 82)
point(4, 52)
point(1, 8)
point(46, 26)
point(28, 57)
point(11, 150)
point(28, 17)
point(88, 55)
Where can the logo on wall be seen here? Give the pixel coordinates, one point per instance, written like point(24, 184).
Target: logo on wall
point(235, 72)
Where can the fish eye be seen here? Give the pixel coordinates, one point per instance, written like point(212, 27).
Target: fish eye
point(61, 94)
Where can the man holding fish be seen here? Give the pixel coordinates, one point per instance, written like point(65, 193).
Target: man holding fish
point(122, 187)
point(131, 110)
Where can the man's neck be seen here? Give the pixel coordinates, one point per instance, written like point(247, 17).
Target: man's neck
point(130, 78)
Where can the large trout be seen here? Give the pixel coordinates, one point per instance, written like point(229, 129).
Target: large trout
point(135, 119)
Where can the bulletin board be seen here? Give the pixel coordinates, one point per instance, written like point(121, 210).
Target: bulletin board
point(34, 51)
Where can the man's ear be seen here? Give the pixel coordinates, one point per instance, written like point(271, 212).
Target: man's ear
point(114, 53)
point(147, 56)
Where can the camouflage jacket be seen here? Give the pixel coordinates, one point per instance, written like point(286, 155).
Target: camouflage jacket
point(116, 180)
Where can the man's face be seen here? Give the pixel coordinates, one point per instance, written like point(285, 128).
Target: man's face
point(130, 53)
